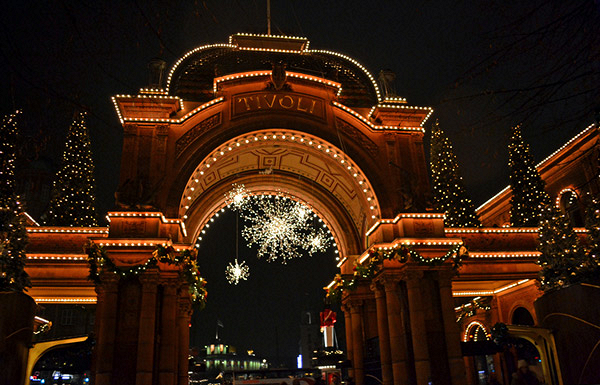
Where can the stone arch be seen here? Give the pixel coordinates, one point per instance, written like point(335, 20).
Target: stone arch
point(522, 316)
point(474, 330)
point(567, 201)
point(292, 163)
point(525, 306)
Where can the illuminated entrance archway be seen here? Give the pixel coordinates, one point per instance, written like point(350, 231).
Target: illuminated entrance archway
point(249, 112)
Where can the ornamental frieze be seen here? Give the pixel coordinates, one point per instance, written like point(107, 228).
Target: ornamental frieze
point(363, 140)
point(196, 131)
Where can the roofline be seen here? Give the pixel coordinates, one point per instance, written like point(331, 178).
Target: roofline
point(544, 162)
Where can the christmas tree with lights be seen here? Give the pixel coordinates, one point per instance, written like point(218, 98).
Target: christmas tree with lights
point(13, 234)
point(592, 224)
point(449, 192)
point(73, 198)
point(564, 260)
point(561, 252)
point(528, 194)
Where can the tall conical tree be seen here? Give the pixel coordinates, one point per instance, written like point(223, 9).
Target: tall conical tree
point(562, 255)
point(592, 224)
point(13, 234)
point(73, 195)
point(528, 194)
point(449, 193)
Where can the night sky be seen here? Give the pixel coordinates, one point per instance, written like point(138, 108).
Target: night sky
point(482, 65)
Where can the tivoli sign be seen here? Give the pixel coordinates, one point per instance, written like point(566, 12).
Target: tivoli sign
point(254, 102)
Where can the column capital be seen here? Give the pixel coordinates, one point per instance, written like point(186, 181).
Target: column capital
point(355, 305)
point(149, 277)
point(109, 282)
point(445, 277)
point(184, 307)
point(388, 282)
point(412, 275)
point(174, 282)
point(377, 288)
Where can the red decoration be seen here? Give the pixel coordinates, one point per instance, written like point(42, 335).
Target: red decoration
point(328, 318)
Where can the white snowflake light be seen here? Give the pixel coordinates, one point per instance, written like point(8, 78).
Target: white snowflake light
point(316, 241)
point(281, 227)
point(237, 197)
point(237, 272)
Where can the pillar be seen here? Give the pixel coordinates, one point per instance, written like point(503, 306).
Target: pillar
point(357, 341)
point(349, 342)
point(384, 334)
point(167, 364)
point(184, 313)
point(398, 334)
point(451, 330)
point(106, 321)
point(417, 324)
point(146, 335)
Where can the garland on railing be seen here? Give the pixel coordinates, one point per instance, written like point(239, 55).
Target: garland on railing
point(98, 261)
point(401, 253)
point(470, 309)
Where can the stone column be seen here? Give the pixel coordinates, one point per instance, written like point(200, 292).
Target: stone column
point(397, 332)
point(417, 326)
point(384, 334)
point(147, 331)
point(184, 313)
point(451, 330)
point(107, 326)
point(357, 341)
point(349, 342)
point(167, 365)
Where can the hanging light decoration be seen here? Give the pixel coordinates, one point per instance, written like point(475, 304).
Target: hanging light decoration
point(279, 226)
point(316, 241)
point(236, 197)
point(236, 272)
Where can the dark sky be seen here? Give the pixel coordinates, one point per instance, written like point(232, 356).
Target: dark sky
point(482, 65)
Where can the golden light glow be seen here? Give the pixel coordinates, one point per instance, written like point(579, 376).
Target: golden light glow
point(66, 300)
point(464, 293)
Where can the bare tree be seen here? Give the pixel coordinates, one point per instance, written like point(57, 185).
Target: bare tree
point(542, 65)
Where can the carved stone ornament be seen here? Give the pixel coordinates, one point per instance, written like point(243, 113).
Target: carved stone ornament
point(278, 76)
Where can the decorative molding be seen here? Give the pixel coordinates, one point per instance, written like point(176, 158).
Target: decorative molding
point(196, 131)
point(354, 134)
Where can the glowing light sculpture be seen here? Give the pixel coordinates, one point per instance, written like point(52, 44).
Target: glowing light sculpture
point(236, 197)
point(235, 272)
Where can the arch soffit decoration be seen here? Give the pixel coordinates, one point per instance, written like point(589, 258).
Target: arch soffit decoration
point(314, 163)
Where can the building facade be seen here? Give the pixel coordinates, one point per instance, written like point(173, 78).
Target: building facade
point(314, 126)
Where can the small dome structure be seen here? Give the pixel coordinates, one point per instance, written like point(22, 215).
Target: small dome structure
point(192, 76)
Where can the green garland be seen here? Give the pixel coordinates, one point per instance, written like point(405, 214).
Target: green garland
point(334, 292)
point(470, 309)
point(98, 262)
point(402, 253)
